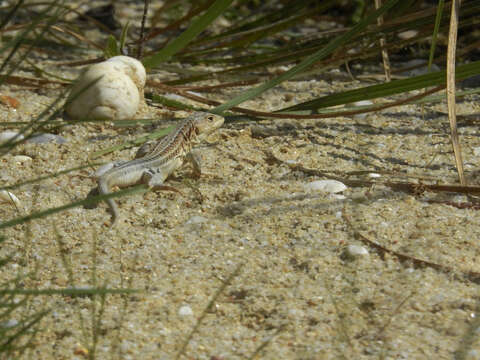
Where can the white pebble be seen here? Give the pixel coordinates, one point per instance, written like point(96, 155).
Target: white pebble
point(7, 196)
point(185, 310)
point(326, 186)
point(356, 251)
point(374, 175)
point(196, 220)
point(9, 135)
point(476, 151)
point(116, 95)
point(408, 34)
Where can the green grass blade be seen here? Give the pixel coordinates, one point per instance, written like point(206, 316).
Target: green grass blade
point(317, 56)
point(217, 8)
point(438, 19)
point(382, 90)
point(69, 291)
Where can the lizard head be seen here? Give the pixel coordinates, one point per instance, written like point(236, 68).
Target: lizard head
point(206, 123)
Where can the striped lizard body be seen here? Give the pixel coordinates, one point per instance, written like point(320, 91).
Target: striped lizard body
point(160, 159)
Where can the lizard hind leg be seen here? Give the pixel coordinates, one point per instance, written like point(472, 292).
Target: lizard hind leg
point(155, 181)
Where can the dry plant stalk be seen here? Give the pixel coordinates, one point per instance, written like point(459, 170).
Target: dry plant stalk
point(452, 43)
point(383, 43)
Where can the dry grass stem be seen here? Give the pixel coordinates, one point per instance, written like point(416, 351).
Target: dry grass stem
point(383, 42)
point(452, 44)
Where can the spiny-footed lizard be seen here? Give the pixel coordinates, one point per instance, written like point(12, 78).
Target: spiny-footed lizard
point(160, 159)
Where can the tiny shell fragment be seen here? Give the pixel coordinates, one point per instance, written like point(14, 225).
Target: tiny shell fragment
point(7, 196)
point(326, 186)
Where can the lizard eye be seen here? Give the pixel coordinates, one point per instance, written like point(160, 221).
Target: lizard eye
point(210, 118)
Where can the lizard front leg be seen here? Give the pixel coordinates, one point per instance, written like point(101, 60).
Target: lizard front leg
point(194, 160)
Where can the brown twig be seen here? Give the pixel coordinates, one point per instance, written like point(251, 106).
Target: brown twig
point(415, 188)
point(382, 250)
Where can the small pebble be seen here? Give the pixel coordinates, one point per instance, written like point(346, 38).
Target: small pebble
point(185, 310)
point(46, 138)
point(409, 34)
point(374, 175)
point(326, 186)
point(7, 196)
point(476, 151)
point(196, 220)
point(6, 136)
point(355, 251)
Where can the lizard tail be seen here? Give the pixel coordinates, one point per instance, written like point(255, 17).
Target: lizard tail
point(104, 190)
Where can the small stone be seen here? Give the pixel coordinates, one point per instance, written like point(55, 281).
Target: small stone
point(185, 310)
point(47, 138)
point(196, 220)
point(326, 186)
point(6, 136)
point(374, 175)
point(355, 251)
point(476, 151)
point(409, 34)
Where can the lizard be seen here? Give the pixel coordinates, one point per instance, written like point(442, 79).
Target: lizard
point(156, 161)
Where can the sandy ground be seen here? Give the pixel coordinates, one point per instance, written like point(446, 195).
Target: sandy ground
point(297, 290)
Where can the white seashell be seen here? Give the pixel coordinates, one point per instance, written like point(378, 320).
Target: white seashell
point(8, 135)
point(116, 94)
point(326, 186)
point(7, 196)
